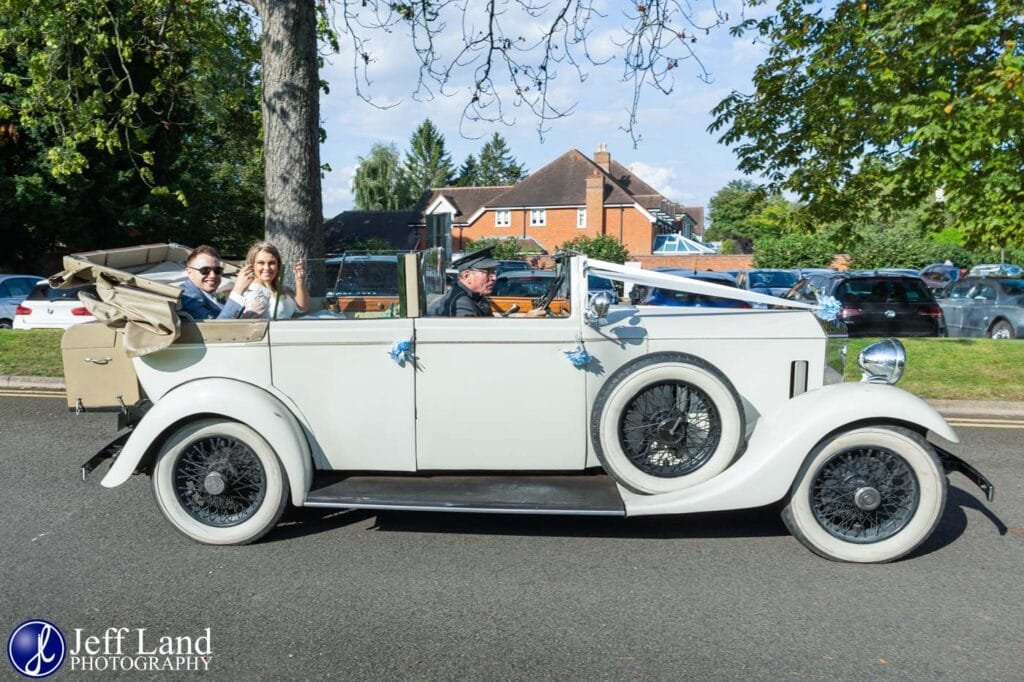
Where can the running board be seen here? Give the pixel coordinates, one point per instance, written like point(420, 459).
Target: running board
point(496, 494)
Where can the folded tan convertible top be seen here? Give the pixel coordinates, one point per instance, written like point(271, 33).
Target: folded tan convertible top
point(135, 291)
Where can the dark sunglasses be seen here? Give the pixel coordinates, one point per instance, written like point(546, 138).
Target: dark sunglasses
point(206, 270)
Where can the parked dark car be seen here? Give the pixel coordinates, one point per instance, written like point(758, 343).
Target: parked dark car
point(876, 304)
point(770, 281)
point(938, 276)
point(669, 297)
point(511, 266)
point(536, 283)
point(13, 290)
point(985, 306)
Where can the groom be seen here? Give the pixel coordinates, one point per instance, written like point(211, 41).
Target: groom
point(203, 270)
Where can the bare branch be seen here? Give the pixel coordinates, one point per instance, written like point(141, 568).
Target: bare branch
point(509, 51)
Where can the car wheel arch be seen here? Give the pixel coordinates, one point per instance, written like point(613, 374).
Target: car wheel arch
point(205, 399)
point(1001, 321)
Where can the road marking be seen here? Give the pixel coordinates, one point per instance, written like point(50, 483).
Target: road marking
point(28, 393)
point(987, 423)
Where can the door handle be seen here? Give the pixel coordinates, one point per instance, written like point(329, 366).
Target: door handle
point(98, 361)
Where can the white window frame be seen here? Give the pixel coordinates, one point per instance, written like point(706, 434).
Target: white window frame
point(581, 217)
point(538, 217)
point(502, 217)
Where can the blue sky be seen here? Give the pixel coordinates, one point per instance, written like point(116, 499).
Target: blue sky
point(676, 154)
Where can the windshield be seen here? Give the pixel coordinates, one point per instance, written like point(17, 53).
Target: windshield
point(365, 276)
point(525, 287)
point(772, 280)
point(883, 290)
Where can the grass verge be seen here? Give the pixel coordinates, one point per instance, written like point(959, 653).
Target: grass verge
point(956, 369)
point(31, 352)
point(945, 369)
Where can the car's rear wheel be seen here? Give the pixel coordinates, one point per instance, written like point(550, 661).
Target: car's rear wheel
point(868, 495)
point(1002, 330)
point(5, 324)
point(219, 482)
point(665, 422)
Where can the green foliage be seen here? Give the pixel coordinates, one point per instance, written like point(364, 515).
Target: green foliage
point(427, 163)
point(369, 244)
point(379, 184)
point(889, 100)
point(744, 213)
point(467, 176)
point(894, 248)
point(730, 247)
point(108, 115)
point(794, 251)
point(497, 166)
point(504, 248)
point(603, 247)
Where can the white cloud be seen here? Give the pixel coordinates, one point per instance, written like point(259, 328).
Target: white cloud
point(660, 178)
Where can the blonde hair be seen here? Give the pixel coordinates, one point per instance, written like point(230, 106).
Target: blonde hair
point(250, 259)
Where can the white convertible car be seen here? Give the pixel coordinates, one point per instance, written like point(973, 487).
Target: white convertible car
point(597, 409)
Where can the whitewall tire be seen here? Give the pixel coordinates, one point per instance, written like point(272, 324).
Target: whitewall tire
point(665, 422)
point(868, 495)
point(219, 482)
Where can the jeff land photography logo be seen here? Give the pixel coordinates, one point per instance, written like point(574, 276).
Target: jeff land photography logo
point(36, 648)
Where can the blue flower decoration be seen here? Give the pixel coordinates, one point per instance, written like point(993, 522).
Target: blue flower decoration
point(401, 352)
point(828, 308)
point(578, 356)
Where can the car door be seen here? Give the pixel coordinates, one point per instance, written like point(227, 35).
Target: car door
point(979, 308)
point(357, 402)
point(953, 306)
point(497, 393)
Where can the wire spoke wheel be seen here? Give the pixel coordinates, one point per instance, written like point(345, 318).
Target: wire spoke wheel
point(219, 481)
point(670, 429)
point(666, 421)
point(868, 495)
point(864, 494)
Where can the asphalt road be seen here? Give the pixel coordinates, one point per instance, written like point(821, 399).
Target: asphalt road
point(354, 595)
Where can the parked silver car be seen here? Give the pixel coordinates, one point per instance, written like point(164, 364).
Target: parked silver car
point(985, 306)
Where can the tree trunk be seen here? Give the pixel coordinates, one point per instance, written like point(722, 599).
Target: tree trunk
point(293, 210)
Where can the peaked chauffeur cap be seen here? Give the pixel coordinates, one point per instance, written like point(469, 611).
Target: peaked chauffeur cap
point(478, 260)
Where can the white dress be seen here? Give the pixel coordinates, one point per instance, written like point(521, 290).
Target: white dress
point(260, 301)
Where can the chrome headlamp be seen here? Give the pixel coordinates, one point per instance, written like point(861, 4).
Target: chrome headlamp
point(882, 362)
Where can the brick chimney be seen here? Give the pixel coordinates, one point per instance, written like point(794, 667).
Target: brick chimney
point(595, 203)
point(603, 158)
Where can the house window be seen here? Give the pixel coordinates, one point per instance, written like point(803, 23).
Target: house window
point(581, 217)
point(502, 218)
point(538, 216)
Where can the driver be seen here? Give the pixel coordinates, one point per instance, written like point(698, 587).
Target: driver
point(466, 298)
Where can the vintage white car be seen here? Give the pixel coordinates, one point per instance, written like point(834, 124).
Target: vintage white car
point(600, 409)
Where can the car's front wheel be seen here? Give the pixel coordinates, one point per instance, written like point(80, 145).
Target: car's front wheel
point(868, 495)
point(1001, 330)
point(219, 482)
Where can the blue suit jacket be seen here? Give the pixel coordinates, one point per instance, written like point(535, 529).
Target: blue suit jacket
point(200, 307)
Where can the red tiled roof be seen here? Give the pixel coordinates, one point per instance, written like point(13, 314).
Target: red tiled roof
point(466, 200)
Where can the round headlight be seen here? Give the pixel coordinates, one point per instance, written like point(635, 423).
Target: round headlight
point(882, 362)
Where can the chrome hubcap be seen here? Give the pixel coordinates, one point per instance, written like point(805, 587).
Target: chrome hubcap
point(867, 498)
point(214, 483)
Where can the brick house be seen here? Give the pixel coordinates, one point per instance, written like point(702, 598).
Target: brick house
point(571, 196)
